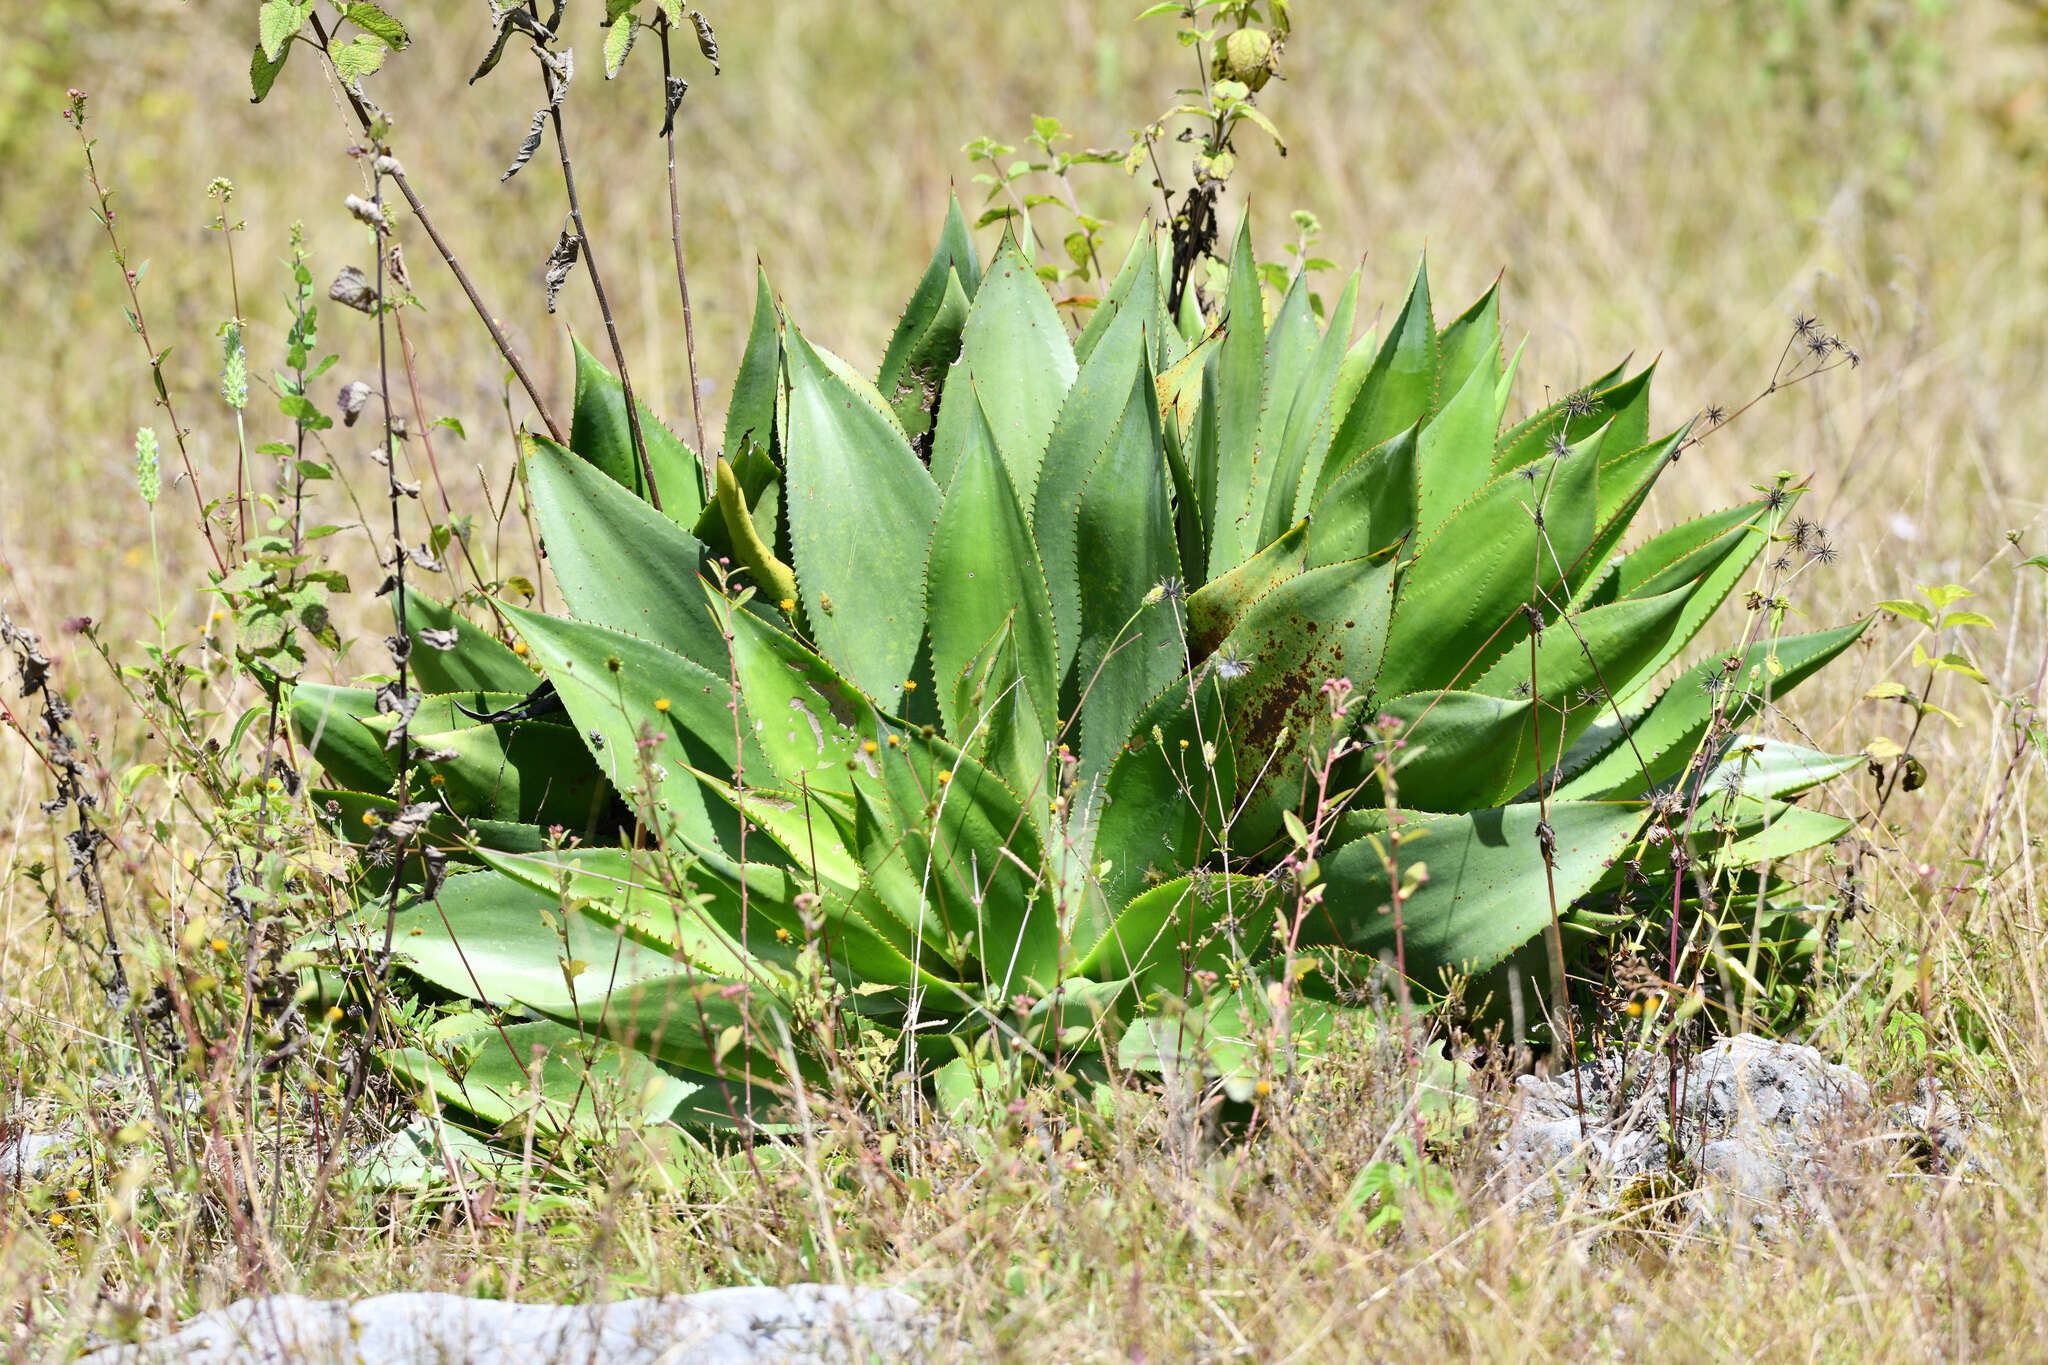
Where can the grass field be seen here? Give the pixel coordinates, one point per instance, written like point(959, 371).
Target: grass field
point(1676, 180)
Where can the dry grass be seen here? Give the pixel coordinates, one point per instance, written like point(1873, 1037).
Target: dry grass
point(1668, 179)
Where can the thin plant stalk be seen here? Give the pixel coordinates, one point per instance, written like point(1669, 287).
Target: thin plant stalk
point(604, 307)
point(675, 236)
point(426, 221)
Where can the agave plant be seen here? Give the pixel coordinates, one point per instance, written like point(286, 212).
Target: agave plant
point(1051, 689)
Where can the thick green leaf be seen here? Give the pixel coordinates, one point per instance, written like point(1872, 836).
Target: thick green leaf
point(1399, 389)
point(617, 707)
point(1305, 436)
point(478, 663)
point(486, 937)
point(618, 562)
point(1088, 421)
point(747, 548)
point(1728, 559)
point(1369, 506)
point(356, 815)
point(1455, 458)
point(600, 433)
point(1773, 769)
point(969, 864)
point(580, 1089)
point(1240, 377)
point(1324, 623)
point(1168, 797)
point(1660, 744)
point(815, 727)
point(998, 723)
point(1136, 287)
point(531, 772)
point(1202, 922)
point(984, 570)
point(1479, 747)
point(1128, 649)
point(927, 336)
point(1625, 483)
point(1292, 350)
point(1215, 608)
point(329, 722)
point(750, 415)
point(1471, 343)
point(1621, 405)
point(1792, 830)
point(1462, 600)
point(1014, 354)
point(861, 509)
point(1486, 893)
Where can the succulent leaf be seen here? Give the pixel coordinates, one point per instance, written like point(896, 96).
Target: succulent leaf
point(1015, 356)
point(861, 508)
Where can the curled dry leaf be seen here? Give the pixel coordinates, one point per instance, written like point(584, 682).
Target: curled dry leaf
point(351, 289)
point(560, 262)
point(366, 212)
point(707, 41)
point(351, 399)
point(673, 89)
point(527, 147)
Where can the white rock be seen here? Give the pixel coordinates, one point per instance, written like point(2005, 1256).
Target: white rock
point(1758, 1121)
point(751, 1325)
point(26, 1156)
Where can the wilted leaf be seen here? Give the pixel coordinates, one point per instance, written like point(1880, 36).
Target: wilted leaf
point(560, 262)
point(707, 42)
point(527, 147)
point(351, 289)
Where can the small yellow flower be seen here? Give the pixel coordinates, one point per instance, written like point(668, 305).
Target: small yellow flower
point(867, 746)
point(58, 1220)
point(945, 776)
point(220, 616)
point(519, 646)
point(334, 1014)
point(788, 604)
point(437, 781)
point(910, 685)
point(661, 703)
point(782, 935)
point(894, 741)
point(219, 945)
point(1263, 1088)
point(370, 818)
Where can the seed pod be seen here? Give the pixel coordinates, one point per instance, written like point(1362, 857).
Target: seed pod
point(1246, 56)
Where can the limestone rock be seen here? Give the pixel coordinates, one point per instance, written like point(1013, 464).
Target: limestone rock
point(26, 1156)
point(801, 1323)
point(1758, 1121)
